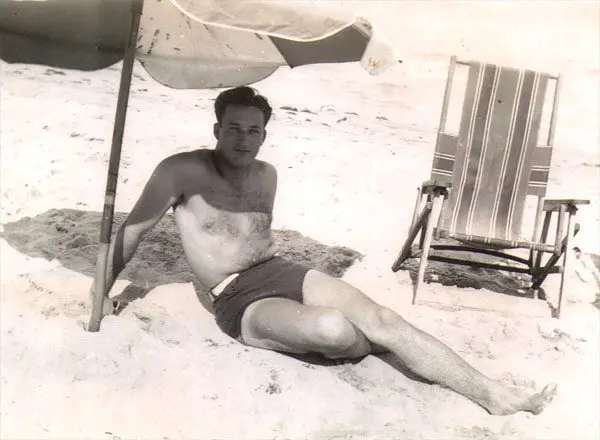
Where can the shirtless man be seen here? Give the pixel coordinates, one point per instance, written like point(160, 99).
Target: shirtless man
point(223, 204)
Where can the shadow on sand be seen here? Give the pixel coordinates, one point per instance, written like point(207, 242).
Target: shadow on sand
point(71, 237)
point(507, 283)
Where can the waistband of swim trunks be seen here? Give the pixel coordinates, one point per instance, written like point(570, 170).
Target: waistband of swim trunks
point(218, 289)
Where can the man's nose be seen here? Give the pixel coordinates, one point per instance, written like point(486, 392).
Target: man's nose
point(243, 136)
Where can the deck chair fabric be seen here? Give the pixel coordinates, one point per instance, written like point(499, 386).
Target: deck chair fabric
point(489, 163)
point(485, 172)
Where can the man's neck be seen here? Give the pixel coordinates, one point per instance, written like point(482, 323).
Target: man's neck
point(235, 176)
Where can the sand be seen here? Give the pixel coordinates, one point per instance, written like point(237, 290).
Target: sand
point(350, 150)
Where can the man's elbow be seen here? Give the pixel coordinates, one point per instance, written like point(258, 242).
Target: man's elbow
point(128, 238)
point(136, 231)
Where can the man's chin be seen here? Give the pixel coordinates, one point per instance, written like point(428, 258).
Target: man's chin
point(243, 162)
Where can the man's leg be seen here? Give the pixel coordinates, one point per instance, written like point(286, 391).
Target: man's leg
point(284, 325)
point(420, 352)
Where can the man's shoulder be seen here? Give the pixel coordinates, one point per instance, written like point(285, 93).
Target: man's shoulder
point(266, 167)
point(267, 174)
point(185, 159)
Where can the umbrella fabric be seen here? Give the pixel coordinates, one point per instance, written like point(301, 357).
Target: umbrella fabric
point(186, 43)
point(81, 35)
point(270, 17)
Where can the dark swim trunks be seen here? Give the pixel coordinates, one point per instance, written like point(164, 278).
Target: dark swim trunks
point(276, 277)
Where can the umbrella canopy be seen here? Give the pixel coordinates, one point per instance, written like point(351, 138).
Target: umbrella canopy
point(186, 43)
point(182, 44)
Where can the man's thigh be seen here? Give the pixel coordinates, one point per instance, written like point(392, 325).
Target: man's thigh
point(279, 324)
point(322, 290)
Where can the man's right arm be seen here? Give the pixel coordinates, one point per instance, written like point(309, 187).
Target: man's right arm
point(161, 192)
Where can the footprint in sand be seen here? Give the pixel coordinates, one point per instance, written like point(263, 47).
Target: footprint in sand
point(273, 386)
point(348, 375)
point(560, 339)
point(211, 343)
point(475, 433)
point(146, 323)
point(51, 72)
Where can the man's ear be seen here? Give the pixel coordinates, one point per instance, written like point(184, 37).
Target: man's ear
point(264, 135)
point(216, 129)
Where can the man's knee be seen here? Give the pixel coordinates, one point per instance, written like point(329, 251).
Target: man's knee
point(332, 330)
point(380, 322)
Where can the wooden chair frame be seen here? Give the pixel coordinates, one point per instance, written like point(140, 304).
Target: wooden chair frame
point(427, 222)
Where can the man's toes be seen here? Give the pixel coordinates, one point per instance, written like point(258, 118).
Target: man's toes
point(543, 398)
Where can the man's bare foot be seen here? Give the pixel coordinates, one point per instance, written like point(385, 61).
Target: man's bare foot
point(509, 401)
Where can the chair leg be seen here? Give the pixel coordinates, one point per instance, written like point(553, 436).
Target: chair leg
point(559, 230)
point(566, 259)
point(427, 238)
point(418, 203)
point(538, 258)
point(422, 236)
point(536, 233)
point(543, 272)
point(405, 252)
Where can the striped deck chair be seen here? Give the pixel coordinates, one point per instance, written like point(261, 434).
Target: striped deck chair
point(481, 177)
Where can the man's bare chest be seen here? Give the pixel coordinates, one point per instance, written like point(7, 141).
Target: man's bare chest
point(218, 210)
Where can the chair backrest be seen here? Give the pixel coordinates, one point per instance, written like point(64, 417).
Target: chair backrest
point(494, 161)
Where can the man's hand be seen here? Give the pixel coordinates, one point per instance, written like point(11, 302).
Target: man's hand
point(109, 306)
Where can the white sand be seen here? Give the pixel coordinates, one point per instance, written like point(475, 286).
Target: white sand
point(162, 369)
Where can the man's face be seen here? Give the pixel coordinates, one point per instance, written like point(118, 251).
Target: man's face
point(240, 134)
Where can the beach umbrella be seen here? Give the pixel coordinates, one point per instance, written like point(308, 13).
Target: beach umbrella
point(182, 44)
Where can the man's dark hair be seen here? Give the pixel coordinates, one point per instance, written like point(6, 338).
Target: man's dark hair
point(243, 96)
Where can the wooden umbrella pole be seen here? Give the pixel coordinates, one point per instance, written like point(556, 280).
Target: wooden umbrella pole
point(113, 168)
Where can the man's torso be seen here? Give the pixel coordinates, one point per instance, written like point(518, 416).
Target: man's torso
point(223, 229)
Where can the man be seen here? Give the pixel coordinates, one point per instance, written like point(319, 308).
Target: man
point(223, 204)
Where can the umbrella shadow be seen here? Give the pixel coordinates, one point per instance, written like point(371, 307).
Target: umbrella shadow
point(71, 237)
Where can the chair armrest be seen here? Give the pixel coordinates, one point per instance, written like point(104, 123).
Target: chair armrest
point(555, 204)
point(435, 187)
point(436, 183)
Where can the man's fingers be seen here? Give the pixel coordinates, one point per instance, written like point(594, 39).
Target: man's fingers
point(118, 306)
